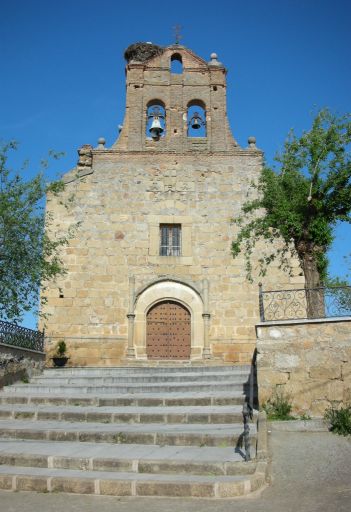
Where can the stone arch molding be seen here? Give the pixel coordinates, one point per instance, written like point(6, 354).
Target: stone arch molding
point(169, 290)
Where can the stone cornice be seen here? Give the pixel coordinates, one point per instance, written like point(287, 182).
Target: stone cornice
point(272, 323)
point(192, 153)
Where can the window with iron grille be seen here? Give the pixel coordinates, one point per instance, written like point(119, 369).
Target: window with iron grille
point(170, 239)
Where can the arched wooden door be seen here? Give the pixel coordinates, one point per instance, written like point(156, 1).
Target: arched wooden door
point(168, 331)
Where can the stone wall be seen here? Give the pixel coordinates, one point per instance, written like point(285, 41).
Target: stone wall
point(19, 364)
point(122, 195)
point(308, 360)
point(119, 206)
point(88, 351)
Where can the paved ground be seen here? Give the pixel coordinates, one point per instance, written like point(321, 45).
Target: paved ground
point(311, 472)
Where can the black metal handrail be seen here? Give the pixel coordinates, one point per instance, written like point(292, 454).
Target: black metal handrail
point(305, 303)
point(247, 416)
point(22, 337)
point(248, 406)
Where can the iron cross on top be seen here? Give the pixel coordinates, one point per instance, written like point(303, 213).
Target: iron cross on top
point(177, 33)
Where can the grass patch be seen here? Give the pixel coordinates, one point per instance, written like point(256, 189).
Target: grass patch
point(120, 438)
point(279, 407)
point(339, 420)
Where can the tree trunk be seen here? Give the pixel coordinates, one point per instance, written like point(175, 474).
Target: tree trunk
point(307, 252)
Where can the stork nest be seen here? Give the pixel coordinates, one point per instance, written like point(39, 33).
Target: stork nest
point(142, 51)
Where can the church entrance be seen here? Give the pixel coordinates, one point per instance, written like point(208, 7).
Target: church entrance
point(168, 331)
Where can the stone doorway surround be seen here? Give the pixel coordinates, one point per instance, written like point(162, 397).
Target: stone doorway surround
point(185, 293)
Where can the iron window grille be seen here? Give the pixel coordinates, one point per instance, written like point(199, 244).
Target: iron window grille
point(170, 239)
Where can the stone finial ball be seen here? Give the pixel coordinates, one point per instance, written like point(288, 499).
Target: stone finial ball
point(214, 55)
point(251, 140)
point(101, 140)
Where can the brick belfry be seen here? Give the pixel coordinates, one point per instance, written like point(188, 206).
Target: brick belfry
point(150, 275)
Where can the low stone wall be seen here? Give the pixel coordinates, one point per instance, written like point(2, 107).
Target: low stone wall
point(308, 360)
point(110, 352)
point(102, 352)
point(19, 364)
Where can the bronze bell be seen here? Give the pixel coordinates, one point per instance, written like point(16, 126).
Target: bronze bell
point(196, 121)
point(156, 128)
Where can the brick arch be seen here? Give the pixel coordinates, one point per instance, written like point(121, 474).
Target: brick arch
point(196, 103)
point(174, 291)
point(156, 101)
point(150, 108)
point(176, 63)
point(196, 107)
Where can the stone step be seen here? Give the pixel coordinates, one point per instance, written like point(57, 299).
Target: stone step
point(174, 378)
point(151, 400)
point(126, 457)
point(128, 388)
point(121, 433)
point(129, 484)
point(161, 431)
point(146, 370)
point(126, 414)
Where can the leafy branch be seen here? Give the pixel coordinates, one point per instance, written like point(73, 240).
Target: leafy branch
point(298, 203)
point(28, 255)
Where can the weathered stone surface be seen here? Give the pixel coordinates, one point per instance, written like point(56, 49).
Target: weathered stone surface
point(115, 487)
point(53, 435)
point(287, 360)
point(179, 467)
point(5, 482)
point(310, 364)
point(71, 463)
point(232, 489)
point(180, 489)
point(24, 460)
point(271, 377)
point(112, 465)
point(18, 364)
point(326, 372)
point(31, 483)
point(5, 414)
point(152, 418)
point(24, 415)
point(48, 415)
point(74, 485)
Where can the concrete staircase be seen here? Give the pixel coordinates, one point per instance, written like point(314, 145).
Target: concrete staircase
point(160, 431)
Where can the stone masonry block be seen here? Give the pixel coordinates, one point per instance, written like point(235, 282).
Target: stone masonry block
point(116, 487)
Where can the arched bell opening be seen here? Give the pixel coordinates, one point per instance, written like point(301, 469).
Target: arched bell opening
point(196, 119)
point(168, 331)
point(176, 64)
point(155, 120)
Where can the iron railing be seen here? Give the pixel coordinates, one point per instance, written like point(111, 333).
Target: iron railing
point(305, 303)
point(21, 337)
point(250, 389)
point(247, 416)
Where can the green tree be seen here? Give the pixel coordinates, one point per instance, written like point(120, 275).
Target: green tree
point(27, 254)
point(301, 200)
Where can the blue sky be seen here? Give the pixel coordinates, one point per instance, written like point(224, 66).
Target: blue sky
point(62, 69)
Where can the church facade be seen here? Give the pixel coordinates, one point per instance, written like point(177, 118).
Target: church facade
point(150, 276)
